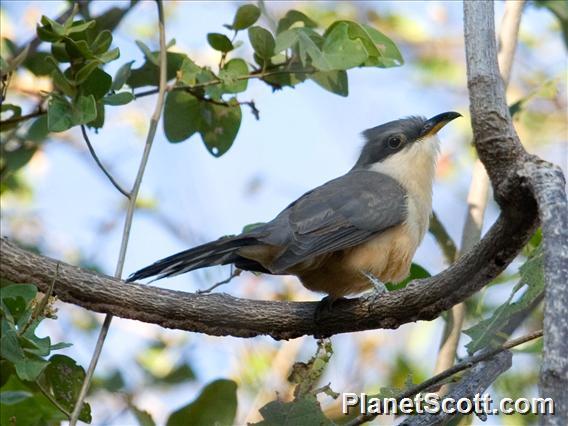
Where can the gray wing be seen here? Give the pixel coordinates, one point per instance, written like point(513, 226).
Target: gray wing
point(342, 213)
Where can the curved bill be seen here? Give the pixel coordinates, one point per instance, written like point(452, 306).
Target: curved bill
point(433, 125)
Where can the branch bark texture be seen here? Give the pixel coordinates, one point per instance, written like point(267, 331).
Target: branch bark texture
point(514, 174)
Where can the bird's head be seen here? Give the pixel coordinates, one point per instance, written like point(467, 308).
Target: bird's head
point(402, 139)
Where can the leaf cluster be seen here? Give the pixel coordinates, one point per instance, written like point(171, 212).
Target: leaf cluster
point(36, 387)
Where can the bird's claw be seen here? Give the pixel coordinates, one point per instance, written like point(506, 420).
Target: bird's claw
point(379, 289)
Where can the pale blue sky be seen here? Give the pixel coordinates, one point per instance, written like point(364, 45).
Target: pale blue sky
point(305, 137)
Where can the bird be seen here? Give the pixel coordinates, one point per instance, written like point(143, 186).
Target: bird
point(347, 235)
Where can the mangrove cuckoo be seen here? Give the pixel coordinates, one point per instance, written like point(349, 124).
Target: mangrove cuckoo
point(366, 223)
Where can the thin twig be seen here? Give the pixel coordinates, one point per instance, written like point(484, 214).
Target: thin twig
point(479, 191)
point(21, 118)
point(130, 212)
point(40, 307)
point(253, 75)
point(460, 366)
point(250, 104)
point(234, 274)
point(98, 161)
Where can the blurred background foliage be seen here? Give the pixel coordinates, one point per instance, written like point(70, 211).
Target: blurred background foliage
point(55, 200)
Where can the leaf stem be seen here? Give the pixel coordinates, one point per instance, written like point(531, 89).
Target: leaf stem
point(130, 212)
point(46, 393)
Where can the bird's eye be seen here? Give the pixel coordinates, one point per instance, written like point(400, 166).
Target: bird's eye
point(395, 142)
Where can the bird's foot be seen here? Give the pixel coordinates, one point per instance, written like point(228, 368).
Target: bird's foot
point(325, 306)
point(378, 291)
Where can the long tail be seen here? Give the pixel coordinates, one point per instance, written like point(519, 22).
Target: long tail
point(219, 252)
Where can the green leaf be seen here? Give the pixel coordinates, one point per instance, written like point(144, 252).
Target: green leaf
point(310, 44)
point(10, 348)
point(148, 74)
point(52, 25)
point(219, 126)
point(59, 79)
point(97, 84)
point(32, 344)
point(60, 345)
point(109, 56)
point(15, 159)
point(220, 42)
point(302, 411)
point(390, 55)
point(38, 130)
point(340, 51)
point(182, 115)
point(64, 378)
point(188, 72)
point(214, 91)
point(293, 16)
point(79, 27)
point(27, 292)
point(37, 63)
point(13, 397)
point(13, 63)
point(29, 369)
point(61, 115)
point(262, 42)
point(16, 112)
point(180, 374)
point(229, 74)
point(285, 40)
point(86, 70)
point(153, 57)
point(102, 42)
point(35, 410)
point(142, 417)
point(246, 16)
point(84, 109)
point(333, 81)
point(75, 49)
point(416, 272)
point(47, 34)
point(98, 122)
point(216, 405)
point(122, 76)
point(121, 98)
point(488, 331)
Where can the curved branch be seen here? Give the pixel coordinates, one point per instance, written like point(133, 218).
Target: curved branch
point(221, 314)
point(512, 171)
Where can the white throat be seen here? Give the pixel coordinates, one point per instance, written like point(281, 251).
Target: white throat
point(414, 168)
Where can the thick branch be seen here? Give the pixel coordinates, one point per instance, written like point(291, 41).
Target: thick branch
point(221, 314)
point(549, 190)
point(495, 139)
point(476, 381)
point(512, 172)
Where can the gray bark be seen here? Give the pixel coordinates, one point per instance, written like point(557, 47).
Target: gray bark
point(514, 174)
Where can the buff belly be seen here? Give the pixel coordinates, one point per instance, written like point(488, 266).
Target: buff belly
point(387, 256)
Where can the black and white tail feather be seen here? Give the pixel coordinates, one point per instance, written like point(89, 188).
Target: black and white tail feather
point(220, 252)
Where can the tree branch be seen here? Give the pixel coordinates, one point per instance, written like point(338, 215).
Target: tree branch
point(549, 190)
point(221, 314)
point(512, 171)
point(476, 381)
point(466, 383)
point(479, 189)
